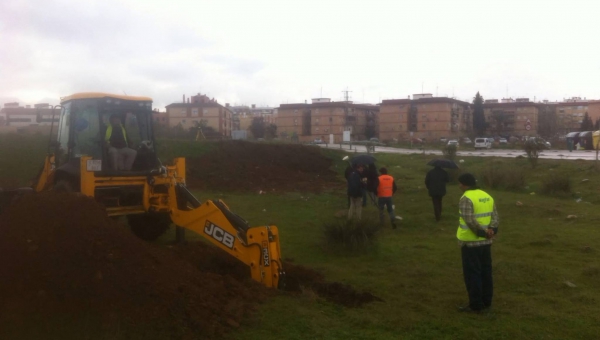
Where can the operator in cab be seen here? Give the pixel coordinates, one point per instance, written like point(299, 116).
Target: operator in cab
point(121, 157)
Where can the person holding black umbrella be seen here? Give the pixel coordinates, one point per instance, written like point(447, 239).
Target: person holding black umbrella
point(355, 191)
point(435, 181)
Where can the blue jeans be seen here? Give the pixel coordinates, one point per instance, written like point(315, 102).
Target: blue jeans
point(382, 202)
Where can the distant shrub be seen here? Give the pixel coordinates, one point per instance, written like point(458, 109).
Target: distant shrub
point(497, 176)
point(449, 152)
point(556, 183)
point(351, 235)
point(532, 148)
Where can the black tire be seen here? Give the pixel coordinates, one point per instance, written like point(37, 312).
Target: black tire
point(63, 186)
point(149, 226)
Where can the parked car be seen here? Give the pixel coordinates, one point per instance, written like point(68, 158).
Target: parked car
point(483, 143)
point(317, 141)
point(443, 140)
point(453, 142)
point(374, 140)
point(502, 141)
point(467, 140)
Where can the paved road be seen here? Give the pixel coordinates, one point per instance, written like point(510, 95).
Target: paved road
point(548, 154)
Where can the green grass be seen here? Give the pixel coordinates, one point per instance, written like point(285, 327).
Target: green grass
point(416, 269)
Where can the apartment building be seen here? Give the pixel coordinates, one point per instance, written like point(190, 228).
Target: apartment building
point(424, 117)
point(511, 117)
point(594, 110)
point(243, 115)
point(160, 118)
point(570, 113)
point(323, 118)
point(12, 114)
point(201, 110)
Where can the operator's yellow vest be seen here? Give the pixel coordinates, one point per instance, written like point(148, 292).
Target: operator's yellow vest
point(109, 133)
point(483, 207)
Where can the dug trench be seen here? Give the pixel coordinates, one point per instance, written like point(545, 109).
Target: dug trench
point(70, 272)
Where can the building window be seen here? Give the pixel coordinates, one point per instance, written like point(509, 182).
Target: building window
point(317, 129)
point(317, 120)
point(330, 120)
point(194, 112)
point(423, 126)
point(183, 111)
point(204, 111)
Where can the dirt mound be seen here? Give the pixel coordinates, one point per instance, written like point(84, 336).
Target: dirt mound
point(70, 272)
point(244, 166)
point(299, 277)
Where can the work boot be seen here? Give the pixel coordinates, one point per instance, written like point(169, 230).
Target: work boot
point(468, 309)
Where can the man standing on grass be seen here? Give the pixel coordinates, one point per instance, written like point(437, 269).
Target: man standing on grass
point(478, 224)
point(385, 189)
point(355, 191)
point(435, 181)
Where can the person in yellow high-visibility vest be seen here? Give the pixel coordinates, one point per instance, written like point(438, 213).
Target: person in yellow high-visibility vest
point(478, 225)
point(120, 155)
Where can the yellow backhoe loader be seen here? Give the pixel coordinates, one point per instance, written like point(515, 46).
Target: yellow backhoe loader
point(105, 148)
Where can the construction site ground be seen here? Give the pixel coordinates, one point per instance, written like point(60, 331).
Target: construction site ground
point(546, 268)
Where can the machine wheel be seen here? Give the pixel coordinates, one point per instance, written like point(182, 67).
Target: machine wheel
point(63, 186)
point(149, 226)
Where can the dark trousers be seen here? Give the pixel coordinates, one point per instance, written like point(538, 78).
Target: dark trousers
point(477, 271)
point(382, 203)
point(437, 206)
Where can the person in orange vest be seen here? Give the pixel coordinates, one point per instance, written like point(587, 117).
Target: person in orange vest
point(385, 190)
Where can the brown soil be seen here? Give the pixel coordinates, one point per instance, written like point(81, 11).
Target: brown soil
point(70, 272)
point(299, 277)
point(244, 166)
point(211, 259)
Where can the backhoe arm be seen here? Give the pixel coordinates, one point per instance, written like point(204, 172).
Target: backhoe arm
point(257, 247)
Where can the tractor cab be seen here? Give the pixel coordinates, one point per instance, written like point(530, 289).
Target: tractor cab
point(116, 131)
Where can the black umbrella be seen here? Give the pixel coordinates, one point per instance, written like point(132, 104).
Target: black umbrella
point(363, 159)
point(443, 163)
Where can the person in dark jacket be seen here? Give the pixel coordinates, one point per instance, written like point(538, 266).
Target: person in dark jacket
point(356, 188)
point(435, 181)
point(372, 184)
point(349, 170)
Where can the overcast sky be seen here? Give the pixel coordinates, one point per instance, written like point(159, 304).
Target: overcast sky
point(268, 52)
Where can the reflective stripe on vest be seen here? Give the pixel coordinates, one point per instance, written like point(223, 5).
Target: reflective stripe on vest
point(386, 186)
point(109, 133)
point(483, 207)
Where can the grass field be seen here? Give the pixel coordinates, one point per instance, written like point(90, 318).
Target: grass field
point(416, 269)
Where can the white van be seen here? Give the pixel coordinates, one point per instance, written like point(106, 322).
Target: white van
point(483, 143)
